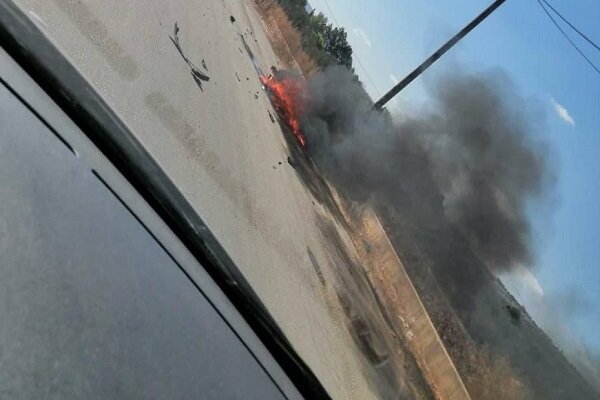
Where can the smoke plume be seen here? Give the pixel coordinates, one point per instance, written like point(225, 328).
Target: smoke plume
point(470, 160)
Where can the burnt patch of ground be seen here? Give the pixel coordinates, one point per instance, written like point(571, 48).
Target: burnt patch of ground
point(308, 173)
point(389, 364)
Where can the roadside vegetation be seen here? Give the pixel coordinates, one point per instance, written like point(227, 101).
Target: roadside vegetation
point(307, 41)
point(325, 44)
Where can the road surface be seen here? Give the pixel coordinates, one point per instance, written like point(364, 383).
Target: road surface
point(220, 147)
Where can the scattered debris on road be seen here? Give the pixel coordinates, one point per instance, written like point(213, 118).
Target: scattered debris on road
point(232, 19)
point(272, 119)
point(256, 96)
point(198, 75)
point(238, 77)
point(204, 64)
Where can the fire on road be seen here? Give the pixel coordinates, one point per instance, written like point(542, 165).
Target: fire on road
point(287, 94)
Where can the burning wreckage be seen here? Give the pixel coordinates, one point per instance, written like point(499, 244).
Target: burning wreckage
point(288, 96)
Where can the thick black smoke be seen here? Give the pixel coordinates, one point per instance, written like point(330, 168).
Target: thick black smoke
point(470, 159)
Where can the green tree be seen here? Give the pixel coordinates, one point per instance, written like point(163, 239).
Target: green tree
point(336, 44)
point(318, 22)
point(325, 44)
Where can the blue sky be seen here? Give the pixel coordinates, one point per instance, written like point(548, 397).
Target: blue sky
point(391, 37)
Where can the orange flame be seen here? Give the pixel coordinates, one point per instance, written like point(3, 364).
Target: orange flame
point(287, 96)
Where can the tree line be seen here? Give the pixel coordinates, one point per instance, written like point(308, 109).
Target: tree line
point(325, 44)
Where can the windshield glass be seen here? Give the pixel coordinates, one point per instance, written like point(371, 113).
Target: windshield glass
point(409, 187)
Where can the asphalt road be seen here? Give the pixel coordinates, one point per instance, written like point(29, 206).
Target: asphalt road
point(221, 148)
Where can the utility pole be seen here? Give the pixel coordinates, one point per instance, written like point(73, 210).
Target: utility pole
point(439, 52)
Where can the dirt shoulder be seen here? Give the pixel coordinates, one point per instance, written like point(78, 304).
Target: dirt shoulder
point(401, 302)
point(284, 38)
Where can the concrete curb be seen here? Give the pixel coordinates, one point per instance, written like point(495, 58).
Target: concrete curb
point(398, 295)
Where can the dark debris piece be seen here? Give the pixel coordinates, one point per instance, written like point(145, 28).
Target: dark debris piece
point(204, 64)
point(198, 75)
point(238, 77)
point(232, 19)
point(292, 162)
point(272, 119)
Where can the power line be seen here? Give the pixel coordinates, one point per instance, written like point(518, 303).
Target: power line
point(367, 74)
point(590, 41)
point(331, 12)
point(335, 20)
point(567, 37)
